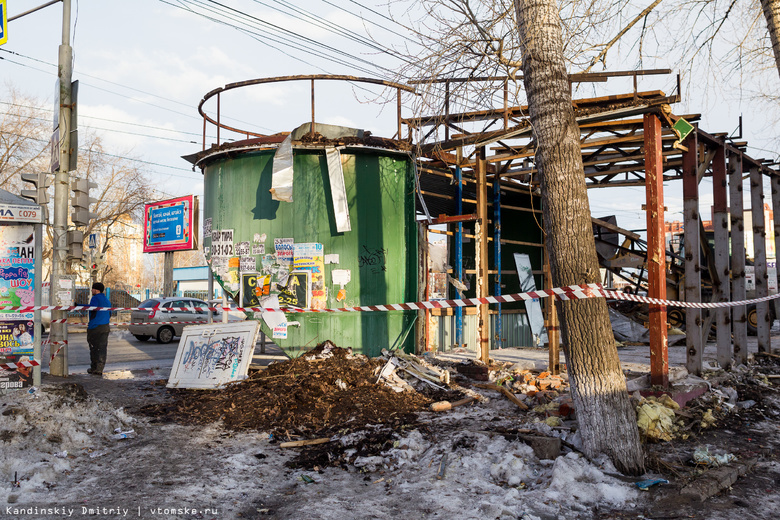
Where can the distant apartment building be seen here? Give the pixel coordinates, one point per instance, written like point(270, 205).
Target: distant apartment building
point(673, 230)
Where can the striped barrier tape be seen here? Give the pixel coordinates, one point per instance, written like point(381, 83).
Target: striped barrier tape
point(54, 354)
point(20, 364)
point(571, 292)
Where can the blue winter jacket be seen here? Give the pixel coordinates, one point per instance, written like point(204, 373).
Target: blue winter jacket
point(99, 317)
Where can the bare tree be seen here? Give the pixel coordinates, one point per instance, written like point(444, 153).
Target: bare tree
point(771, 10)
point(606, 417)
point(25, 129)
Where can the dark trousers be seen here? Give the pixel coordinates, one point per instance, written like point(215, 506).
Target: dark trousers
point(98, 346)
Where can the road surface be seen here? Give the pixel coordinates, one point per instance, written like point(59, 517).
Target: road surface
point(127, 353)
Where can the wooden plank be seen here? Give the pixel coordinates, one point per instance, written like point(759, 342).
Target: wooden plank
point(307, 442)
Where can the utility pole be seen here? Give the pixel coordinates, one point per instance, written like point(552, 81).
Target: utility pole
point(59, 331)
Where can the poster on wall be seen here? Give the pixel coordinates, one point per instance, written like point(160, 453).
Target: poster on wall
point(17, 286)
point(284, 251)
point(311, 257)
point(297, 291)
point(255, 289)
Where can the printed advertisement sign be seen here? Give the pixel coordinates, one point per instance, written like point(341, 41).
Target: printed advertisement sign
point(171, 225)
point(17, 283)
point(296, 292)
point(284, 251)
point(311, 258)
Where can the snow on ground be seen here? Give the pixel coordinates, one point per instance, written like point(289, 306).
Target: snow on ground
point(175, 471)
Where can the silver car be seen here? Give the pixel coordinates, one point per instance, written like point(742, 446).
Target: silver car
point(152, 319)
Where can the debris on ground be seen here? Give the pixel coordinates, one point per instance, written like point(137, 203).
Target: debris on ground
point(325, 391)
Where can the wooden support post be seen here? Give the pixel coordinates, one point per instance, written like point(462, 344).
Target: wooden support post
point(656, 250)
point(759, 257)
point(553, 335)
point(481, 231)
point(776, 218)
point(721, 230)
point(739, 319)
point(693, 323)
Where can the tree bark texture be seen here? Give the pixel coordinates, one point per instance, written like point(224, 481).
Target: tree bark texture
point(772, 14)
point(606, 418)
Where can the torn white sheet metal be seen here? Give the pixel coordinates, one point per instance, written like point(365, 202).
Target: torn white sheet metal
point(533, 308)
point(338, 190)
point(282, 180)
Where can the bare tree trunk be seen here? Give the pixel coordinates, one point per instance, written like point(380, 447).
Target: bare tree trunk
point(606, 418)
point(772, 14)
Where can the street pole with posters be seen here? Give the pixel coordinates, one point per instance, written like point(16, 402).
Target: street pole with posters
point(59, 331)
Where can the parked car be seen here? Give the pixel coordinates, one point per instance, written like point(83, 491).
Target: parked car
point(158, 310)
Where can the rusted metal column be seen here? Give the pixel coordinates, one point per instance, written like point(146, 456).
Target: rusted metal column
point(759, 257)
point(776, 218)
point(312, 129)
point(738, 317)
point(481, 228)
point(693, 324)
point(219, 115)
point(398, 112)
point(656, 250)
point(721, 229)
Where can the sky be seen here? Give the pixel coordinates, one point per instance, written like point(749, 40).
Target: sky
point(144, 66)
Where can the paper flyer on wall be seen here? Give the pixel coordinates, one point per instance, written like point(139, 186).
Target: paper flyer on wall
point(311, 257)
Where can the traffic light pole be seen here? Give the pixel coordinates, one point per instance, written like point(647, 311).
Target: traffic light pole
point(59, 331)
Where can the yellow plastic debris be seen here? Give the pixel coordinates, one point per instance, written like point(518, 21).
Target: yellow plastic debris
point(707, 419)
point(656, 421)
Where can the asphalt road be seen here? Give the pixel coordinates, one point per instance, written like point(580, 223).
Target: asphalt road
point(127, 353)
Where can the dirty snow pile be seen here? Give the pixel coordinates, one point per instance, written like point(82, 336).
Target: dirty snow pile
point(43, 430)
point(458, 473)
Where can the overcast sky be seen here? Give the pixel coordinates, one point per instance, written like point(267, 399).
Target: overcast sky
point(143, 67)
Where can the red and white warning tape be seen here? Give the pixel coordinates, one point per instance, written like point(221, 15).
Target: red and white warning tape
point(572, 292)
point(20, 364)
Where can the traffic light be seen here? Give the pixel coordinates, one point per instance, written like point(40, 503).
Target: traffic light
point(81, 201)
point(75, 244)
point(39, 194)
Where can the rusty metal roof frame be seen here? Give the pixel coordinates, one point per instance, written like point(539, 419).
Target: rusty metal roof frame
point(611, 141)
point(310, 77)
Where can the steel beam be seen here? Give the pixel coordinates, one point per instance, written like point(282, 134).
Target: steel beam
point(776, 217)
point(721, 230)
point(759, 257)
point(693, 322)
point(481, 230)
point(656, 250)
point(497, 258)
point(738, 293)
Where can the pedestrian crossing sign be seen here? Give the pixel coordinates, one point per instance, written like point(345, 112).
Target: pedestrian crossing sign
point(3, 21)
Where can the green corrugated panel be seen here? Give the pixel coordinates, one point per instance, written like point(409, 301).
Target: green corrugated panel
point(380, 251)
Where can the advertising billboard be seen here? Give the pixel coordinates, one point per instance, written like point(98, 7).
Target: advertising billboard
point(171, 225)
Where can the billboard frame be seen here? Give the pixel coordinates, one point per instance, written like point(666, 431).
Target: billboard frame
point(189, 222)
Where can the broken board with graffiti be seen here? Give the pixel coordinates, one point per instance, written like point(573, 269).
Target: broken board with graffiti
point(213, 354)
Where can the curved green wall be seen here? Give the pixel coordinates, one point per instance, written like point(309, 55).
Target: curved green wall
point(380, 251)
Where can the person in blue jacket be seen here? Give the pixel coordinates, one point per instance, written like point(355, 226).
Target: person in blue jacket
point(98, 329)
